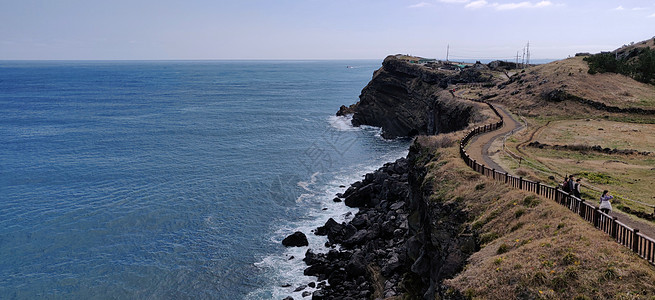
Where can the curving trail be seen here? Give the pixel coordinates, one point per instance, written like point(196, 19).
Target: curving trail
point(478, 149)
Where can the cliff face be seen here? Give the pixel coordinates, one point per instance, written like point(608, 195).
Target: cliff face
point(401, 242)
point(403, 99)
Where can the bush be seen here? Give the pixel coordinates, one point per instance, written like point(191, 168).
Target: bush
point(503, 248)
point(488, 237)
point(517, 226)
point(638, 64)
point(530, 201)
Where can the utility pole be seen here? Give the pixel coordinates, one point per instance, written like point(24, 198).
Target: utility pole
point(528, 54)
point(517, 59)
point(447, 52)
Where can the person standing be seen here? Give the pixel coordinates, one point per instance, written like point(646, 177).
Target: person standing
point(565, 185)
point(605, 205)
point(576, 188)
point(571, 183)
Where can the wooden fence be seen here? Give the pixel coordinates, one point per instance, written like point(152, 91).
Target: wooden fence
point(641, 244)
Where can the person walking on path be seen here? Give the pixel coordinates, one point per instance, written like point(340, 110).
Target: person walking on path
point(605, 205)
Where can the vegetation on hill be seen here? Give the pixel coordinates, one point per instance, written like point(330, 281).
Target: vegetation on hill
point(638, 63)
point(575, 112)
point(531, 247)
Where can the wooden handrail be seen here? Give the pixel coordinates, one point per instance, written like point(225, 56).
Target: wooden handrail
point(642, 245)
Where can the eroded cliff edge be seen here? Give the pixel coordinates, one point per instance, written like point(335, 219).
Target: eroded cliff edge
point(405, 98)
point(401, 242)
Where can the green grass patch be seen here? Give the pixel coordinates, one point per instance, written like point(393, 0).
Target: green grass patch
point(598, 177)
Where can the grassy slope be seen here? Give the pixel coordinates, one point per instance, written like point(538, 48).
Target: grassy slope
point(525, 94)
point(572, 123)
point(533, 248)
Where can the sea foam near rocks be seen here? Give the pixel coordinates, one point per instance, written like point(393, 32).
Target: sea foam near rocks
point(287, 274)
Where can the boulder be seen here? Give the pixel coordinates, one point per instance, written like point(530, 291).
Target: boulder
point(297, 239)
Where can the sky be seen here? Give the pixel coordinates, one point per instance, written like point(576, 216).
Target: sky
point(316, 29)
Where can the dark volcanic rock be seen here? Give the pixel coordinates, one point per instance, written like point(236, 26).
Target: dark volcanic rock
point(401, 100)
point(346, 110)
point(297, 239)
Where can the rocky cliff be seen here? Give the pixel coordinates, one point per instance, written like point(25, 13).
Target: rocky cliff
point(405, 99)
point(401, 242)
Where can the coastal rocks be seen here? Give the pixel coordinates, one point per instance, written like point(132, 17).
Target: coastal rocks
point(402, 243)
point(297, 239)
point(401, 99)
point(371, 243)
point(346, 110)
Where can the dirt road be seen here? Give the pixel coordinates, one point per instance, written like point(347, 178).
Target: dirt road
point(478, 149)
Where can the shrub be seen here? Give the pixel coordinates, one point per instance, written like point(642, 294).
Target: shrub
point(503, 248)
point(569, 258)
point(638, 64)
point(571, 273)
point(516, 227)
point(530, 201)
point(609, 274)
point(519, 213)
point(559, 282)
point(539, 278)
point(488, 237)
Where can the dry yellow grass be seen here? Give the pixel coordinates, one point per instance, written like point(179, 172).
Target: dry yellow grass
point(605, 133)
point(628, 176)
point(525, 94)
point(532, 247)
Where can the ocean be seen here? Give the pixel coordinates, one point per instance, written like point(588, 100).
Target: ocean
point(174, 179)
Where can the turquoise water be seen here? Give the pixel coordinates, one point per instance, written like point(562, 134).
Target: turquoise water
point(172, 179)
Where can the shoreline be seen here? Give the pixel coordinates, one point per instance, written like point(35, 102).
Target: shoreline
point(287, 268)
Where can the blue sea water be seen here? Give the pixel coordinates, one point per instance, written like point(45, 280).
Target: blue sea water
point(173, 180)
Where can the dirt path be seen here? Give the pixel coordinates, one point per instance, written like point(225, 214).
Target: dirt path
point(478, 149)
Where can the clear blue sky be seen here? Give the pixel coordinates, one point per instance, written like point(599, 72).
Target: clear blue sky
point(316, 29)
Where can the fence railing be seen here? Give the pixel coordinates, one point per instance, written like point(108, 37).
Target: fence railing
point(641, 244)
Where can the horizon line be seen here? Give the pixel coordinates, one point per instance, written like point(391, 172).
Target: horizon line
point(252, 59)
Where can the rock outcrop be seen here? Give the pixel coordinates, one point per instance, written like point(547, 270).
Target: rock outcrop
point(297, 239)
point(401, 242)
point(403, 99)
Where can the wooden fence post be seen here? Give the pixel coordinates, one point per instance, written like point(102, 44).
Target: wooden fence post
point(493, 173)
point(583, 209)
point(521, 183)
point(538, 187)
point(506, 177)
point(635, 240)
point(614, 227)
point(596, 217)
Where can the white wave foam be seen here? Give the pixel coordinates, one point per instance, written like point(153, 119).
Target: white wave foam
point(306, 184)
point(284, 271)
point(342, 123)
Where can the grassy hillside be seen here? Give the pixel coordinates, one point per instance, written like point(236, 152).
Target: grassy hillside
point(532, 248)
point(565, 106)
